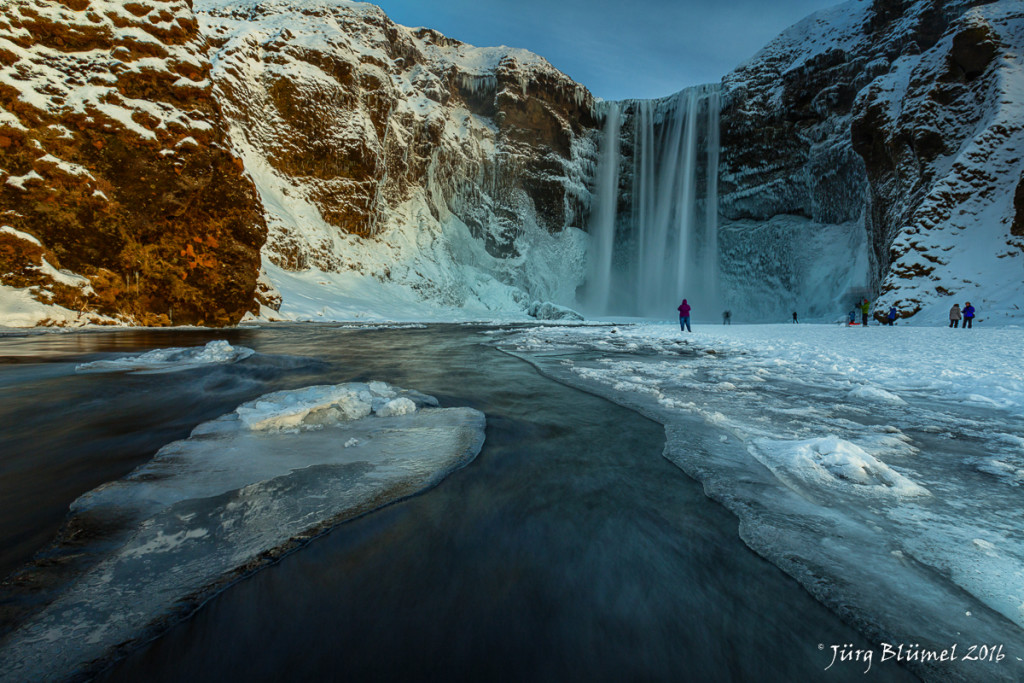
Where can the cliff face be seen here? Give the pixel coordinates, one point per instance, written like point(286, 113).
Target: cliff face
point(114, 165)
point(147, 149)
point(871, 123)
point(942, 137)
point(398, 156)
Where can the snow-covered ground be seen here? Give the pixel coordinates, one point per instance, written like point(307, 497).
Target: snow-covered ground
point(882, 467)
point(237, 493)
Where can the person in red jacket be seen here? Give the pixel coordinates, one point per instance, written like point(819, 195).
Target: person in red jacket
point(684, 316)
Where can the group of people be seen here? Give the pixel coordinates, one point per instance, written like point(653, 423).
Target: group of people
point(956, 314)
point(865, 309)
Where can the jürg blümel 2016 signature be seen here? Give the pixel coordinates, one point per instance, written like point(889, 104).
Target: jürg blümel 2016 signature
point(914, 653)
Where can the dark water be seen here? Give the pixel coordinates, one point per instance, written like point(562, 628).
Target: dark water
point(569, 550)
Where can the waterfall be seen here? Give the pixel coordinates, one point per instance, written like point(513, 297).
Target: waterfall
point(599, 265)
point(660, 246)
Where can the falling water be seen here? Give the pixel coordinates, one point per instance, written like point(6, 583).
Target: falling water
point(660, 247)
point(599, 266)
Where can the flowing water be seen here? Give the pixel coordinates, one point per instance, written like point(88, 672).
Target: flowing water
point(658, 167)
point(570, 549)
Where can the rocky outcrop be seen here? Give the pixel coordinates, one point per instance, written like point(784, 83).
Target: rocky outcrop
point(114, 165)
point(856, 120)
point(941, 135)
point(375, 147)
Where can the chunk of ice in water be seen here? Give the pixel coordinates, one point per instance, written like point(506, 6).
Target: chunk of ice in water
point(287, 465)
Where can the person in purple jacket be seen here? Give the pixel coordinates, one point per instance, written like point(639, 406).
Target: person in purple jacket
point(684, 316)
point(968, 312)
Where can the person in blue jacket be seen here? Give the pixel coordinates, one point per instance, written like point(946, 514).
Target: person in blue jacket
point(891, 316)
point(968, 314)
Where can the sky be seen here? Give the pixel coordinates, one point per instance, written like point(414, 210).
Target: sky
point(617, 49)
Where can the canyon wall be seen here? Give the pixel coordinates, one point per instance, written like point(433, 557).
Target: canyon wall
point(860, 134)
point(398, 157)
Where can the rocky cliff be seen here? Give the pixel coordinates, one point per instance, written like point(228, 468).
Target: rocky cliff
point(875, 123)
point(942, 137)
point(397, 164)
point(119, 195)
point(147, 148)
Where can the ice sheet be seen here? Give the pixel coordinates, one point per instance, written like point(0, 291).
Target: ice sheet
point(240, 491)
point(880, 467)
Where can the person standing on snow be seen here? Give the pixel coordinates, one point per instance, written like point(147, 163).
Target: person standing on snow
point(954, 316)
point(865, 308)
point(968, 315)
point(794, 316)
point(891, 317)
point(727, 318)
point(684, 316)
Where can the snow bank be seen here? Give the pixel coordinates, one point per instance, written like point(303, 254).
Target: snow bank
point(240, 491)
point(319, 406)
point(173, 359)
point(832, 466)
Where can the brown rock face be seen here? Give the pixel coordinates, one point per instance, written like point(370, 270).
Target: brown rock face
point(347, 120)
point(113, 155)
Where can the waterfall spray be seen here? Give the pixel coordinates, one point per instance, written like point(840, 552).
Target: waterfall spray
point(643, 260)
point(599, 265)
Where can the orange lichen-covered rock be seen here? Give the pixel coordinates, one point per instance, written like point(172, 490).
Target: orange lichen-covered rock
point(113, 156)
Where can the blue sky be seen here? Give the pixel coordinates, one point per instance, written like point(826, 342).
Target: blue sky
point(618, 49)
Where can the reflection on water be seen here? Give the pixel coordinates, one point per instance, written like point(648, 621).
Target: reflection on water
point(569, 550)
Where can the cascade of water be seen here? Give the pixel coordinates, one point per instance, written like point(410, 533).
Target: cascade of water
point(642, 261)
point(688, 193)
point(711, 282)
point(599, 266)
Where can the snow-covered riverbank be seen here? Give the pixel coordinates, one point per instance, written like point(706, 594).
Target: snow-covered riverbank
point(881, 467)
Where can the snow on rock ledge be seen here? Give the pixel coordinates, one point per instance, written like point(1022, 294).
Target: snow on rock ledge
point(113, 158)
point(227, 500)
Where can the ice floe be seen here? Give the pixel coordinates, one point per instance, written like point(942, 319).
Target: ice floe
point(238, 492)
point(173, 359)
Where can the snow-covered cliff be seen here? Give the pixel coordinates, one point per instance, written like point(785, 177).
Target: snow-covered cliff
point(148, 148)
point(850, 144)
point(942, 135)
point(120, 198)
point(402, 172)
